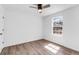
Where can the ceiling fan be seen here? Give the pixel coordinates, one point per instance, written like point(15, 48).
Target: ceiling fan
point(40, 7)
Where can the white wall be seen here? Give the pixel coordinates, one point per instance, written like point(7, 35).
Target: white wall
point(21, 27)
point(71, 28)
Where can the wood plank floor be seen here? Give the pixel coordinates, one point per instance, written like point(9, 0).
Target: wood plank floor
point(39, 47)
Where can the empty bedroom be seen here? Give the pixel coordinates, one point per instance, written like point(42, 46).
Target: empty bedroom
point(39, 29)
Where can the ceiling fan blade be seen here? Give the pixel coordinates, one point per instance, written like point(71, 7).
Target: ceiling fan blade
point(33, 7)
point(46, 6)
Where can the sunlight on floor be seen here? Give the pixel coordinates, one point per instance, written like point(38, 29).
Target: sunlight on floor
point(52, 48)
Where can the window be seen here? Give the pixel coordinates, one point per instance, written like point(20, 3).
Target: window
point(57, 25)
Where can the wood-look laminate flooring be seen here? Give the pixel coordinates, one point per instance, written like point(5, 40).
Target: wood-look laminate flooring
point(39, 47)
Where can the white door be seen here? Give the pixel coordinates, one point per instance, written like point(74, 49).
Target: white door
point(1, 33)
point(1, 27)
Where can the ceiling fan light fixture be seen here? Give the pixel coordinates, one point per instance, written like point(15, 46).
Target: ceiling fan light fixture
point(40, 10)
